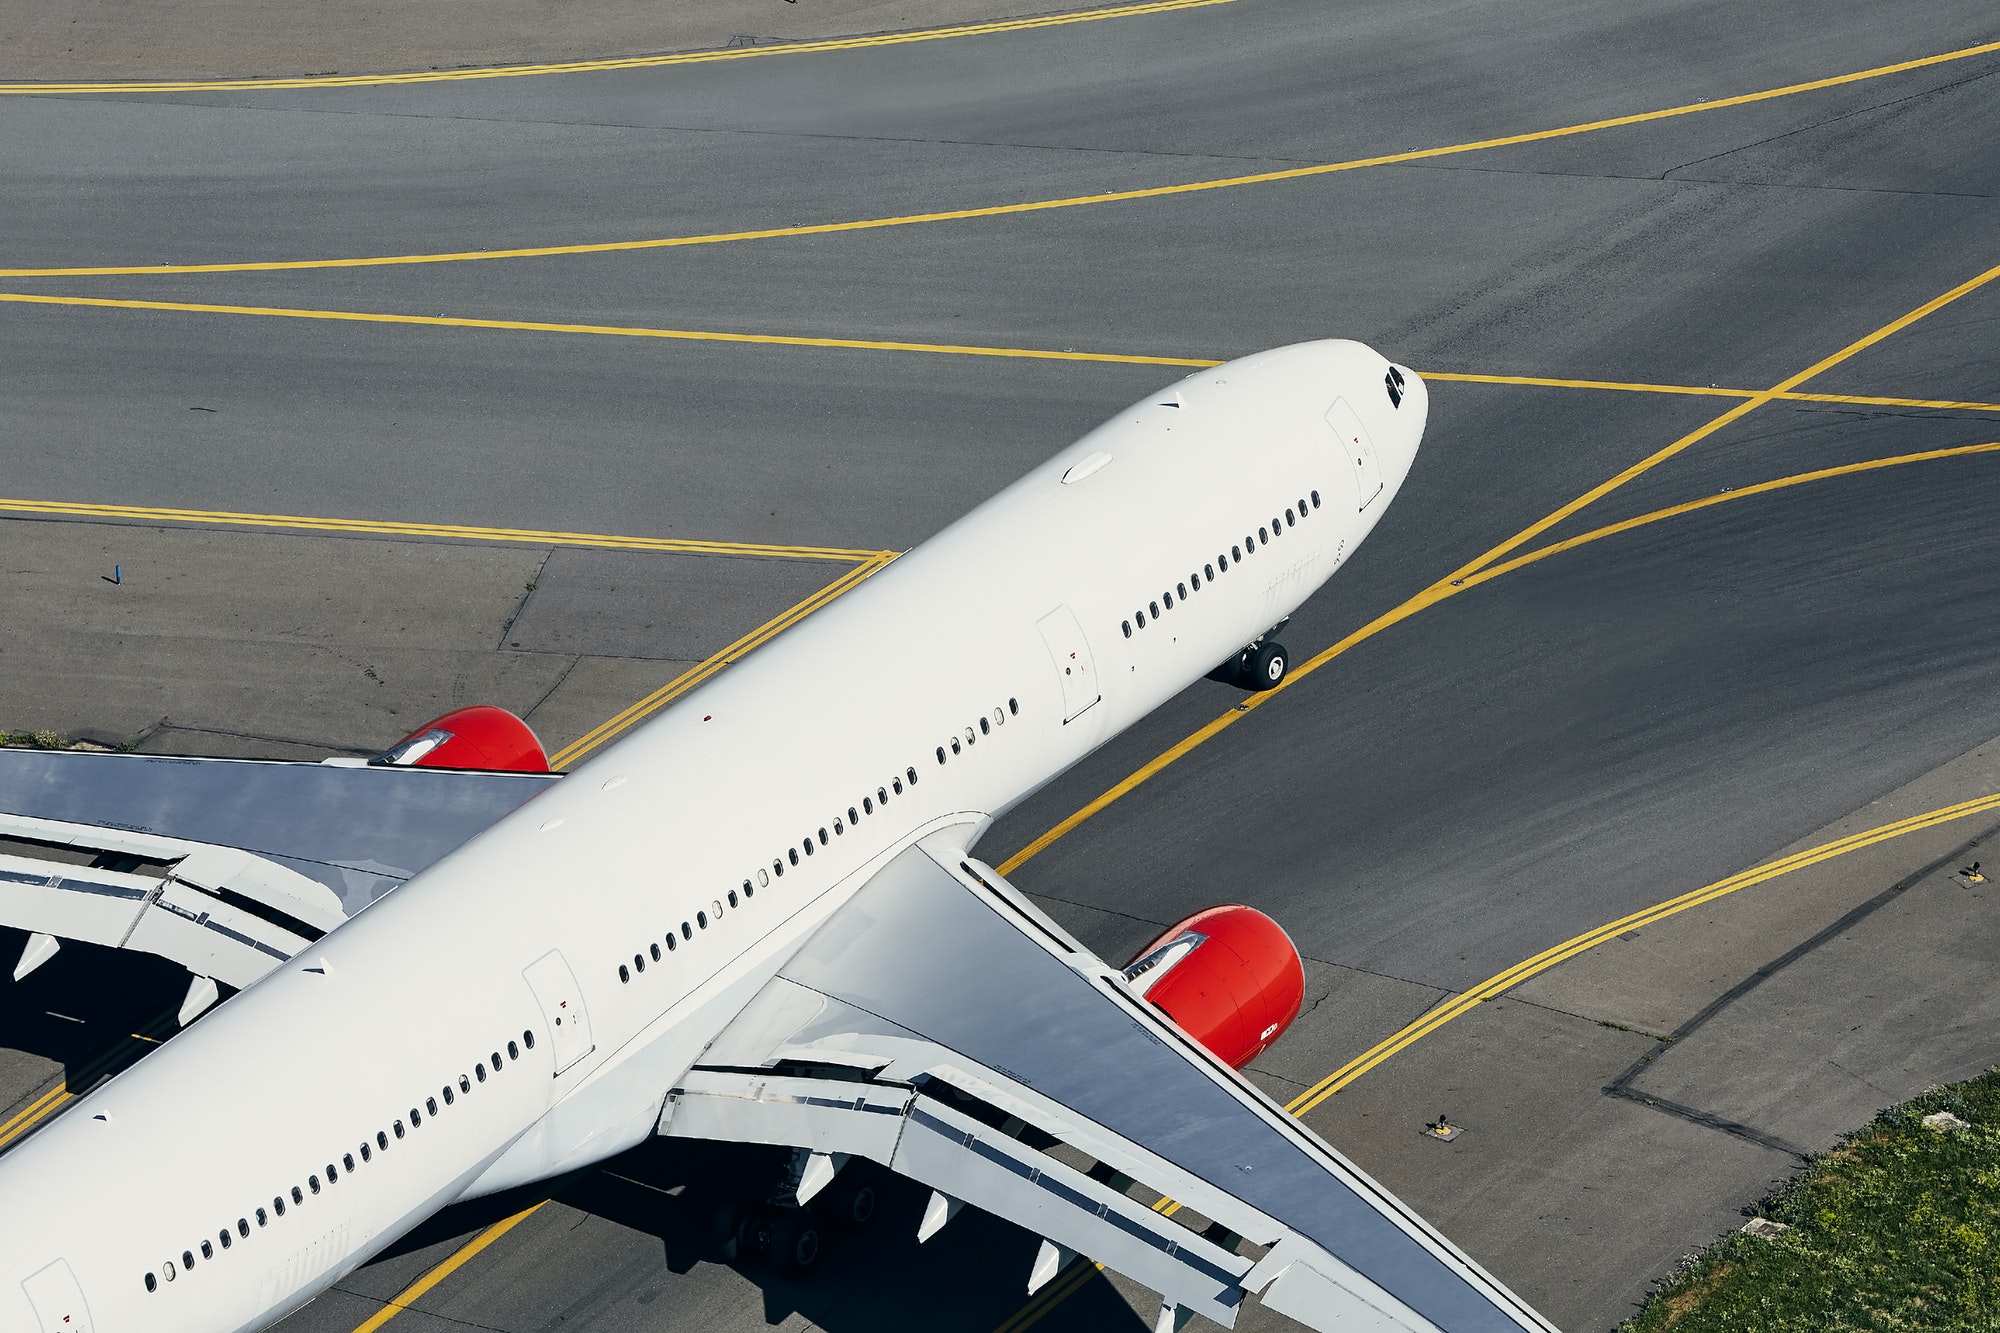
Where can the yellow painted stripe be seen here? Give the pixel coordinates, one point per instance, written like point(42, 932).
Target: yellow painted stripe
point(1033, 206)
point(412, 1293)
point(694, 676)
point(613, 63)
point(949, 349)
point(1741, 409)
point(1706, 391)
point(1494, 986)
point(384, 528)
point(60, 1096)
point(604, 330)
point(1048, 1298)
point(1430, 596)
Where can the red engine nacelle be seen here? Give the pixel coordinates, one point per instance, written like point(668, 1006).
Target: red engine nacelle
point(1229, 977)
point(481, 736)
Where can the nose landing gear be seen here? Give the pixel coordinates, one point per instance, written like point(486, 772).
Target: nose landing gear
point(1261, 666)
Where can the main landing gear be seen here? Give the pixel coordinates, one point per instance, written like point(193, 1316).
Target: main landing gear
point(792, 1236)
point(1261, 666)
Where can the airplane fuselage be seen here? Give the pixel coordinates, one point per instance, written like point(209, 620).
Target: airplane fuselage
point(523, 1007)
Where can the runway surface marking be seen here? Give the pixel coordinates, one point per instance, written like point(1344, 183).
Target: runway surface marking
point(1033, 206)
point(614, 62)
point(951, 349)
point(1494, 986)
point(694, 676)
point(455, 531)
point(409, 1295)
point(1069, 1283)
point(60, 1096)
point(1462, 577)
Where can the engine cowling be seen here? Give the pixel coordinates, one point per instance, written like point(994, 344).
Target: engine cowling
point(1229, 977)
point(481, 736)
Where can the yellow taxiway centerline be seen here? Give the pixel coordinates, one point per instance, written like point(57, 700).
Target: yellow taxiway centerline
point(1032, 206)
point(695, 675)
point(946, 349)
point(403, 1299)
point(611, 63)
point(1463, 575)
point(60, 1096)
point(454, 531)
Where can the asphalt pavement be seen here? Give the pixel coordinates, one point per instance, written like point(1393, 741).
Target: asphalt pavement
point(1737, 673)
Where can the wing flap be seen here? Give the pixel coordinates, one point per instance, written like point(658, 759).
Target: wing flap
point(1042, 1089)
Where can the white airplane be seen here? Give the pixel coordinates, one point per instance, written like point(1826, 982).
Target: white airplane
point(757, 919)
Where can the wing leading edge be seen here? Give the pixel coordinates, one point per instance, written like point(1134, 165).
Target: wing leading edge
point(942, 1026)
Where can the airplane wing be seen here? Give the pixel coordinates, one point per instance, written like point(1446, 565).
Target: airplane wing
point(942, 1026)
point(226, 866)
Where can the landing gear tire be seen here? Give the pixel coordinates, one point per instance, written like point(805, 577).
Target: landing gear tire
point(795, 1242)
point(1265, 666)
point(851, 1205)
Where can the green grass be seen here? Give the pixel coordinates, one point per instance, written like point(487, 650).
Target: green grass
point(1898, 1228)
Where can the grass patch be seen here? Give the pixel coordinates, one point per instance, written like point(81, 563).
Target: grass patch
point(1896, 1230)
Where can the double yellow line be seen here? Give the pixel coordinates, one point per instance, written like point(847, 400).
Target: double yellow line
point(60, 1096)
point(1494, 986)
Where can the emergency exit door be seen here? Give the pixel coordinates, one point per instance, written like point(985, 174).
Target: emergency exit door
point(1071, 652)
point(567, 1024)
point(58, 1301)
point(1346, 423)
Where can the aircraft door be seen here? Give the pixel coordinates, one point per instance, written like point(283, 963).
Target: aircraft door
point(565, 1021)
point(57, 1299)
point(1071, 652)
point(1344, 423)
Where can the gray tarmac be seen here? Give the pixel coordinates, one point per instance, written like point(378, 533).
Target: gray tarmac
point(1602, 730)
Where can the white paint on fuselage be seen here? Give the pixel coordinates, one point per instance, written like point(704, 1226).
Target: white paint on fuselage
point(281, 1081)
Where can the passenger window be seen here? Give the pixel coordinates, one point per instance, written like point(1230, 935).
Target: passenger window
point(1181, 588)
point(911, 774)
point(882, 794)
point(1167, 600)
point(1140, 616)
point(207, 1250)
point(1209, 571)
point(1277, 526)
point(852, 818)
point(1194, 581)
point(528, 1040)
point(1315, 499)
point(792, 854)
point(956, 748)
point(187, 1258)
point(763, 881)
point(448, 1098)
point(1302, 509)
point(514, 1052)
point(465, 1084)
point(278, 1205)
point(366, 1155)
point(152, 1283)
point(639, 962)
point(260, 1217)
point(868, 805)
point(897, 783)
point(1013, 705)
point(1154, 607)
point(226, 1239)
point(331, 1174)
point(416, 1118)
point(701, 919)
point(654, 950)
point(382, 1140)
point(969, 737)
point(732, 897)
point(809, 846)
point(1262, 536)
point(624, 975)
point(479, 1072)
point(1235, 553)
point(985, 727)
point(243, 1226)
point(496, 1061)
point(822, 837)
point(1288, 518)
point(298, 1195)
point(999, 717)
point(346, 1160)
point(715, 909)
